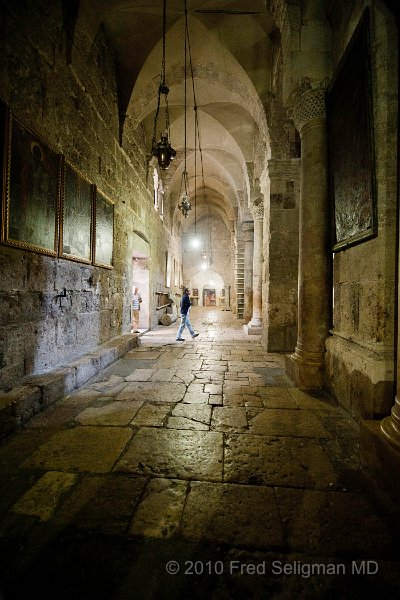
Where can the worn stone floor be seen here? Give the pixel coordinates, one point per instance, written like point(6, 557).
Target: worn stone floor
point(194, 470)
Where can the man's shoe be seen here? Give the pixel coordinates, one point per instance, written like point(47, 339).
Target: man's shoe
point(195, 335)
point(180, 339)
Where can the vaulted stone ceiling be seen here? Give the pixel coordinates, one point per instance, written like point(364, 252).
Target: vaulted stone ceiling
point(231, 52)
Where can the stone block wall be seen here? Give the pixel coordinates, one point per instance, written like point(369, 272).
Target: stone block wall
point(72, 107)
point(360, 352)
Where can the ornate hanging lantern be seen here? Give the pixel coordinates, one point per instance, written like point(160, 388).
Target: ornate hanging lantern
point(163, 149)
point(185, 205)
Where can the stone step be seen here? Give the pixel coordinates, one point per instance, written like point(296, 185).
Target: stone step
point(37, 392)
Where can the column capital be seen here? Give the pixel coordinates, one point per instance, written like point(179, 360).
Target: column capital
point(257, 209)
point(307, 106)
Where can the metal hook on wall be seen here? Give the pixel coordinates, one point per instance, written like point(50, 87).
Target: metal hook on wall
point(61, 296)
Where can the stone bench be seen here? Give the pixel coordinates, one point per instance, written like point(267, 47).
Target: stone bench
point(37, 392)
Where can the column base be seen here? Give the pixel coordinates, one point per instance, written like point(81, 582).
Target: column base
point(306, 372)
point(253, 327)
point(380, 456)
point(390, 426)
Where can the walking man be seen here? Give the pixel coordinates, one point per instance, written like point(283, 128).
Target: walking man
point(136, 300)
point(185, 307)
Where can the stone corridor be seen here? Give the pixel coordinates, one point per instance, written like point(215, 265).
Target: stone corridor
point(193, 469)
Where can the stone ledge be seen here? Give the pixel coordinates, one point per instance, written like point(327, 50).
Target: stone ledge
point(37, 392)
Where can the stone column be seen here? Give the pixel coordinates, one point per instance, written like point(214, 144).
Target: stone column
point(306, 366)
point(254, 327)
point(248, 237)
point(391, 425)
point(281, 254)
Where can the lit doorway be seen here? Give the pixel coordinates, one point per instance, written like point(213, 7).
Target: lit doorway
point(140, 279)
point(209, 298)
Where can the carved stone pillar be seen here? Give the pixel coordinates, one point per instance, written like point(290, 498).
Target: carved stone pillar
point(254, 327)
point(306, 366)
point(248, 236)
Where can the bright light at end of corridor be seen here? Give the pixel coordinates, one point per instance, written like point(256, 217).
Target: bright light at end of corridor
point(195, 243)
point(204, 266)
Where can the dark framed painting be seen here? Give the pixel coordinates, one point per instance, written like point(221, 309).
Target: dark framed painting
point(351, 144)
point(31, 190)
point(103, 231)
point(76, 222)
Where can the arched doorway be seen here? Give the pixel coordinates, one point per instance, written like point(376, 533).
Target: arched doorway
point(210, 285)
point(141, 278)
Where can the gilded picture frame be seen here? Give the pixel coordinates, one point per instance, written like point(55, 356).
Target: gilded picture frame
point(76, 225)
point(103, 246)
point(351, 144)
point(30, 191)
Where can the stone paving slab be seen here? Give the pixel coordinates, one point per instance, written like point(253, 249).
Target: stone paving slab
point(193, 411)
point(185, 378)
point(162, 375)
point(15, 450)
point(110, 385)
point(292, 576)
point(212, 388)
point(80, 397)
point(42, 499)
point(196, 398)
point(277, 397)
point(253, 401)
point(114, 413)
point(143, 354)
point(229, 419)
point(340, 424)
point(102, 502)
point(215, 399)
point(140, 375)
point(152, 415)
point(153, 392)
point(180, 365)
point(209, 376)
point(291, 423)
point(93, 449)
point(125, 366)
point(160, 510)
point(215, 363)
point(307, 401)
point(195, 388)
point(334, 523)
point(184, 423)
point(232, 514)
point(233, 397)
point(295, 462)
point(273, 376)
point(56, 415)
point(189, 356)
point(174, 454)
